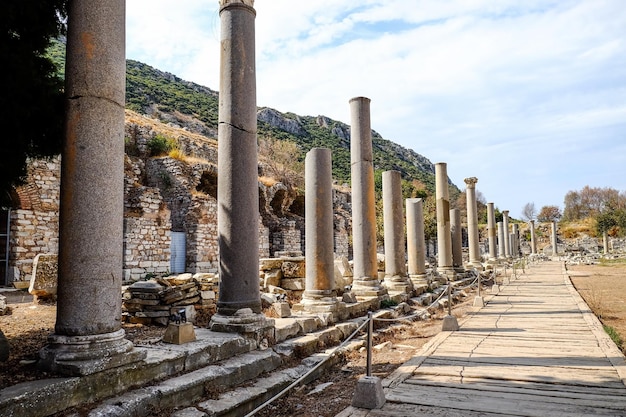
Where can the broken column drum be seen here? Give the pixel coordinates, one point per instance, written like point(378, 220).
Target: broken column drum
point(88, 336)
point(472, 223)
point(396, 277)
point(365, 282)
point(507, 241)
point(416, 246)
point(444, 239)
point(320, 272)
point(239, 303)
point(491, 232)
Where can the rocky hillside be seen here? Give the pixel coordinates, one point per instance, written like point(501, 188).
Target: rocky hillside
point(193, 107)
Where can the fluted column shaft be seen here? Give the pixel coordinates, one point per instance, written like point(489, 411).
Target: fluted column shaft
point(416, 246)
point(505, 225)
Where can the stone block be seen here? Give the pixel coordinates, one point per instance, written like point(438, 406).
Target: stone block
point(349, 297)
point(344, 267)
point(207, 295)
point(293, 284)
point(307, 324)
point(43, 283)
point(146, 286)
point(294, 269)
point(273, 277)
point(179, 333)
point(281, 310)
point(3, 305)
point(190, 312)
point(267, 264)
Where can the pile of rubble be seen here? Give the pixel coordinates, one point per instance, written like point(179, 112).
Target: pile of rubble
point(153, 301)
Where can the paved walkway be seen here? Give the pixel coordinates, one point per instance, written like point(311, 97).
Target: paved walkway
point(533, 350)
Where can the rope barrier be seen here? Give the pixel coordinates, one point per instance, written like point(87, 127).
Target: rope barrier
point(309, 372)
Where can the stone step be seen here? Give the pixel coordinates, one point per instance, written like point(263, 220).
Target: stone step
point(191, 387)
point(49, 396)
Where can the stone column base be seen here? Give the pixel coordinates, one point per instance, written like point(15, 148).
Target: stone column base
point(398, 283)
point(475, 265)
point(366, 287)
point(89, 354)
point(448, 272)
point(245, 322)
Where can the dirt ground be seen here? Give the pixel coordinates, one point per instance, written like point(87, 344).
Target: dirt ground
point(603, 287)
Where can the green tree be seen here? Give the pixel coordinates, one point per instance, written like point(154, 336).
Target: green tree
point(31, 104)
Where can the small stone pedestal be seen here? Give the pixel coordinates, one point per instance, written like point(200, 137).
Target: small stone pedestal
point(246, 323)
point(179, 333)
point(369, 393)
point(479, 301)
point(450, 324)
point(495, 289)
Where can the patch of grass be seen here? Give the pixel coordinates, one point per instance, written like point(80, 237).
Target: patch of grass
point(617, 339)
point(178, 154)
point(161, 145)
point(612, 262)
point(388, 303)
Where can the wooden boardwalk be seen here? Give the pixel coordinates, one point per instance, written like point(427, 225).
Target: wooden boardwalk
point(534, 350)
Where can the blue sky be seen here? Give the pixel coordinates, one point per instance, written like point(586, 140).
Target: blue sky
point(528, 96)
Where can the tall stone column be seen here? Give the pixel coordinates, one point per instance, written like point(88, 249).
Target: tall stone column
point(319, 294)
point(505, 225)
point(605, 242)
point(239, 303)
point(396, 278)
point(533, 238)
point(491, 232)
point(472, 224)
point(502, 237)
point(365, 282)
point(416, 245)
point(456, 231)
point(88, 336)
point(444, 238)
point(555, 245)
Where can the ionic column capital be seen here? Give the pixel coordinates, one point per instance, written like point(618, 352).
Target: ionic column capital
point(471, 182)
point(224, 3)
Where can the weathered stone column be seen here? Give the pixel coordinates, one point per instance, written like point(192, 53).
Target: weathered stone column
point(605, 242)
point(365, 282)
point(491, 232)
point(515, 240)
point(416, 245)
point(533, 241)
point(396, 278)
point(456, 231)
point(88, 335)
point(555, 245)
point(507, 242)
point(472, 224)
point(444, 238)
point(239, 303)
point(502, 237)
point(319, 294)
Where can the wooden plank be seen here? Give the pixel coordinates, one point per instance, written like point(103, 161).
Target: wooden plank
point(496, 402)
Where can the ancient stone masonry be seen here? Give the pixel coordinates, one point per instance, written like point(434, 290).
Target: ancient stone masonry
point(35, 223)
point(154, 301)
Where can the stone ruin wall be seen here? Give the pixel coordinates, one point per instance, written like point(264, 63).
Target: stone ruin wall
point(161, 195)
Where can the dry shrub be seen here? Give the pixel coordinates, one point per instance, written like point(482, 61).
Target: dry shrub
point(578, 229)
point(267, 181)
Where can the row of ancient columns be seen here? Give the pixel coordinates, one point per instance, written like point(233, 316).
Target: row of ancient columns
point(88, 336)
